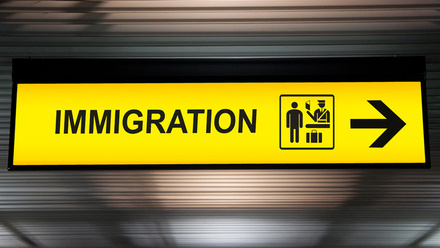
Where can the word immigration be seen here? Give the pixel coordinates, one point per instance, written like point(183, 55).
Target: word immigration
point(134, 121)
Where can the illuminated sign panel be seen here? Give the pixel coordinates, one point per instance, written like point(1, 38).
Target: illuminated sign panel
point(210, 124)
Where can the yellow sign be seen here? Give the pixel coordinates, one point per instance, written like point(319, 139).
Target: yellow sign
point(218, 123)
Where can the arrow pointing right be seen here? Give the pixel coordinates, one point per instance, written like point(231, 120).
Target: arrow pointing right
point(392, 123)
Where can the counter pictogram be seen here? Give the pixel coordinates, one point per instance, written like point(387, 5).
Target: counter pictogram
point(307, 121)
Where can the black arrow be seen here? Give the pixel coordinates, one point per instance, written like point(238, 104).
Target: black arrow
point(392, 123)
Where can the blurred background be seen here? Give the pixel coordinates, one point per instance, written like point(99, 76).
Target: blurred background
point(220, 208)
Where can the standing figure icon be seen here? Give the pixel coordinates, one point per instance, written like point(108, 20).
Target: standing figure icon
point(294, 122)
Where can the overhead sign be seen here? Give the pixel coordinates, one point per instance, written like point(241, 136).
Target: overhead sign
point(219, 123)
point(219, 113)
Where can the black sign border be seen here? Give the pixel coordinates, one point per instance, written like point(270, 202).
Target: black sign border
point(200, 70)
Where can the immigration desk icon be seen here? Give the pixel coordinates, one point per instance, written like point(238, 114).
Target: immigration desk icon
point(307, 121)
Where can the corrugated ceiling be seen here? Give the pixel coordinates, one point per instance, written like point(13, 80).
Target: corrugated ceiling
point(279, 208)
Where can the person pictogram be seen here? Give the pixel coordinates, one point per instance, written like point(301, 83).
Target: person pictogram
point(321, 115)
point(314, 130)
point(294, 122)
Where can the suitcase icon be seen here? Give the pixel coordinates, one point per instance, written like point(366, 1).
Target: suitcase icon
point(314, 137)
